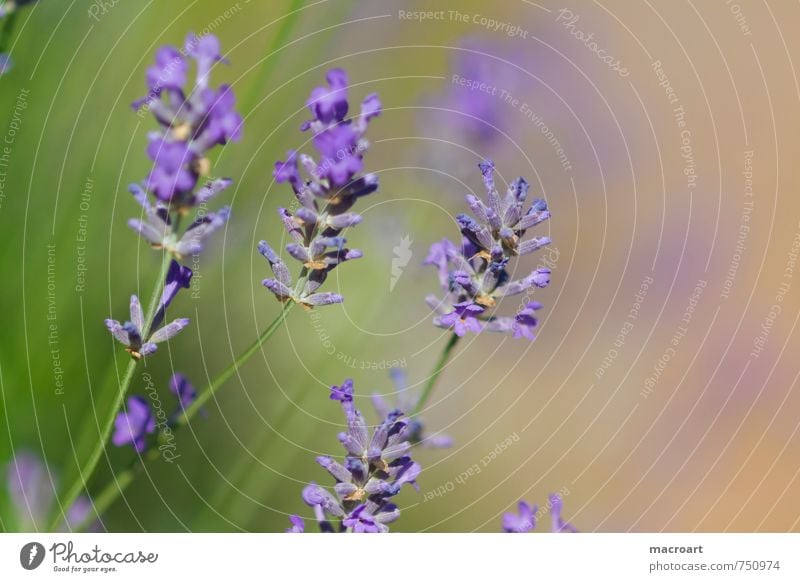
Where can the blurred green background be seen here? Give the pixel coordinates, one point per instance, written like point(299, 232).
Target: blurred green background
point(712, 447)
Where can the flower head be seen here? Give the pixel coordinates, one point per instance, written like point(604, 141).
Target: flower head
point(374, 469)
point(31, 488)
point(192, 121)
point(132, 426)
point(474, 277)
point(525, 519)
point(521, 522)
point(325, 196)
point(406, 400)
point(137, 335)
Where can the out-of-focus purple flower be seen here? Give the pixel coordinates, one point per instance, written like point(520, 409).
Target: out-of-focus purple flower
point(6, 63)
point(474, 277)
point(131, 334)
point(192, 121)
point(183, 390)
point(558, 523)
point(326, 196)
point(132, 425)
point(521, 522)
point(525, 520)
point(31, 488)
point(298, 525)
point(407, 402)
point(374, 469)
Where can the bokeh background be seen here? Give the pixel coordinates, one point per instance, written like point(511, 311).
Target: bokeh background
point(661, 393)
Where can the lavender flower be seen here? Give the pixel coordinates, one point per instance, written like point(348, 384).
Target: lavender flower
point(298, 525)
point(474, 277)
point(525, 520)
point(558, 523)
point(132, 333)
point(31, 489)
point(521, 522)
point(407, 401)
point(131, 427)
point(192, 122)
point(326, 196)
point(6, 63)
point(374, 470)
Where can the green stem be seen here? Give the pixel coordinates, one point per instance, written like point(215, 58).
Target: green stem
point(437, 370)
point(85, 473)
point(8, 28)
point(124, 478)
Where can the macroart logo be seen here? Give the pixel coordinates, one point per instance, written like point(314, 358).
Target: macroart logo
point(31, 555)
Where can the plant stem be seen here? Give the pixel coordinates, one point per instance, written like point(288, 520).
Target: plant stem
point(117, 486)
point(437, 370)
point(85, 473)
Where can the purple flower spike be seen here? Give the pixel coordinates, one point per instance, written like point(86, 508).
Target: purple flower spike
point(327, 194)
point(298, 525)
point(522, 522)
point(31, 488)
point(406, 401)
point(192, 120)
point(559, 525)
point(475, 277)
point(374, 470)
point(329, 105)
point(183, 390)
point(137, 335)
point(132, 426)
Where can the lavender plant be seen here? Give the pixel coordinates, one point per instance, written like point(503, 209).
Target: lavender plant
point(524, 520)
point(192, 121)
point(325, 196)
point(474, 276)
point(374, 471)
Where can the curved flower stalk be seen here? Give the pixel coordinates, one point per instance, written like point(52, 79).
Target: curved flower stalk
point(524, 520)
point(192, 121)
point(325, 196)
point(474, 276)
point(136, 334)
point(32, 496)
point(405, 400)
point(140, 418)
point(374, 470)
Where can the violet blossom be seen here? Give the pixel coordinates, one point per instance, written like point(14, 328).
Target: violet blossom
point(374, 470)
point(136, 334)
point(474, 276)
point(326, 195)
point(31, 489)
point(406, 400)
point(524, 520)
point(193, 120)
